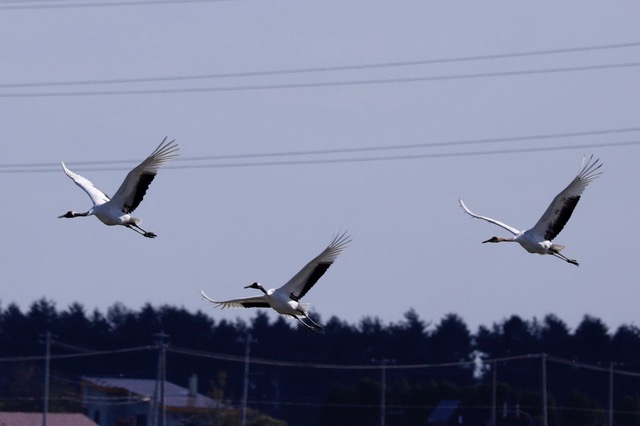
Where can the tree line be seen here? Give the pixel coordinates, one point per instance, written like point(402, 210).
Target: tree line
point(326, 396)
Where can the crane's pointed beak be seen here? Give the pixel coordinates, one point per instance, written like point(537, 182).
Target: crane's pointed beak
point(494, 240)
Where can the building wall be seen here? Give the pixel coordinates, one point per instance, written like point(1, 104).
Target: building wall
point(108, 409)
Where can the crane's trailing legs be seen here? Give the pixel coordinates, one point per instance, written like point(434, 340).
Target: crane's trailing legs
point(565, 258)
point(314, 326)
point(141, 231)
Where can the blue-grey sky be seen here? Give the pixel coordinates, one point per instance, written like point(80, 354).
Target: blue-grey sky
point(221, 228)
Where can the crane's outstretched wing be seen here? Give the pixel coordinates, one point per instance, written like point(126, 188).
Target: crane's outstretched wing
point(98, 197)
point(302, 282)
point(562, 206)
point(135, 185)
point(514, 231)
point(243, 302)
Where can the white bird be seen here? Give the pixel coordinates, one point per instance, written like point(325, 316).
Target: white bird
point(117, 210)
point(538, 239)
point(286, 299)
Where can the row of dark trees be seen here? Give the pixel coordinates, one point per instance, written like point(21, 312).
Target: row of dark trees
point(326, 395)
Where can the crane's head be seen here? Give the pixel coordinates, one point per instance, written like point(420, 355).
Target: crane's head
point(497, 240)
point(71, 213)
point(255, 285)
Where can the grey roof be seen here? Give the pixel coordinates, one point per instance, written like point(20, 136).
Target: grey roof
point(175, 396)
point(53, 419)
point(444, 410)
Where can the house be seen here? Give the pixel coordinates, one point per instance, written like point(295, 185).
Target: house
point(132, 402)
point(53, 419)
point(445, 413)
point(451, 412)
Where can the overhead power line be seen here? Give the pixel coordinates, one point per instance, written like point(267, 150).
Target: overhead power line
point(86, 4)
point(355, 159)
point(576, 364)
point(311, 365)
point(344, 67)
point(79, 355)
point(323, 84)
point(463, 142)
point(299, 364)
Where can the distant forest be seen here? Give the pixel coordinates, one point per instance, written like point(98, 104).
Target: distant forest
point(336, 378)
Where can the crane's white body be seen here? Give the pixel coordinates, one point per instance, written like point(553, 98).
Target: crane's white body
point(286, 299)
point(111, 215)
point(539, 238)
point(117, 210)
point(531, 240)
point(281, 302)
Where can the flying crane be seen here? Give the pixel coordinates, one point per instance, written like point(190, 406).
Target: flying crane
point(538, 239)
point(117, 210)
point(286, 299)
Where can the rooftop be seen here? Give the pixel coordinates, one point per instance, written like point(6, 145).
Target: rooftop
point(53, 419)
point(443, 411)
point(175, 396)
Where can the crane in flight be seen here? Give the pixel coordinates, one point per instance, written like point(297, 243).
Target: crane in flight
point(539, 238)
point(286, 299)
point(117, 210)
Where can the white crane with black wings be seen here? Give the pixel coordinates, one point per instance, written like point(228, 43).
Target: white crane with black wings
point(538, 239)
point(286, 299)
point(117, 210)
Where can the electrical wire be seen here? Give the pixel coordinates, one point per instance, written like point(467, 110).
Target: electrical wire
point(67, 346)
point(85, 4)
point(354, 159)
point(480, 141)
point(592, 367)
point(270, 362)
point(324, 84)
point(463, 142)
point(80, 355)
point(308, 365)
point(344, 67)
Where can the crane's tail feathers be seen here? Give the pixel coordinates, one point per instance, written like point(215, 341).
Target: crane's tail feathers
point(304, 307)
point(556, 248)
point(135, 221)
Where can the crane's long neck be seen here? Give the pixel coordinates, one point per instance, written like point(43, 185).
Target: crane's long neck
point(71, 214)
point(501, 240)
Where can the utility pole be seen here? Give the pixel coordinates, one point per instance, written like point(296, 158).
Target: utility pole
point(544, 390)
point(47, 362)
point(494, 377)
point(248, 340)
point(383, 388)
point(610, 394)
point(383, 392)
point(160, 413)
